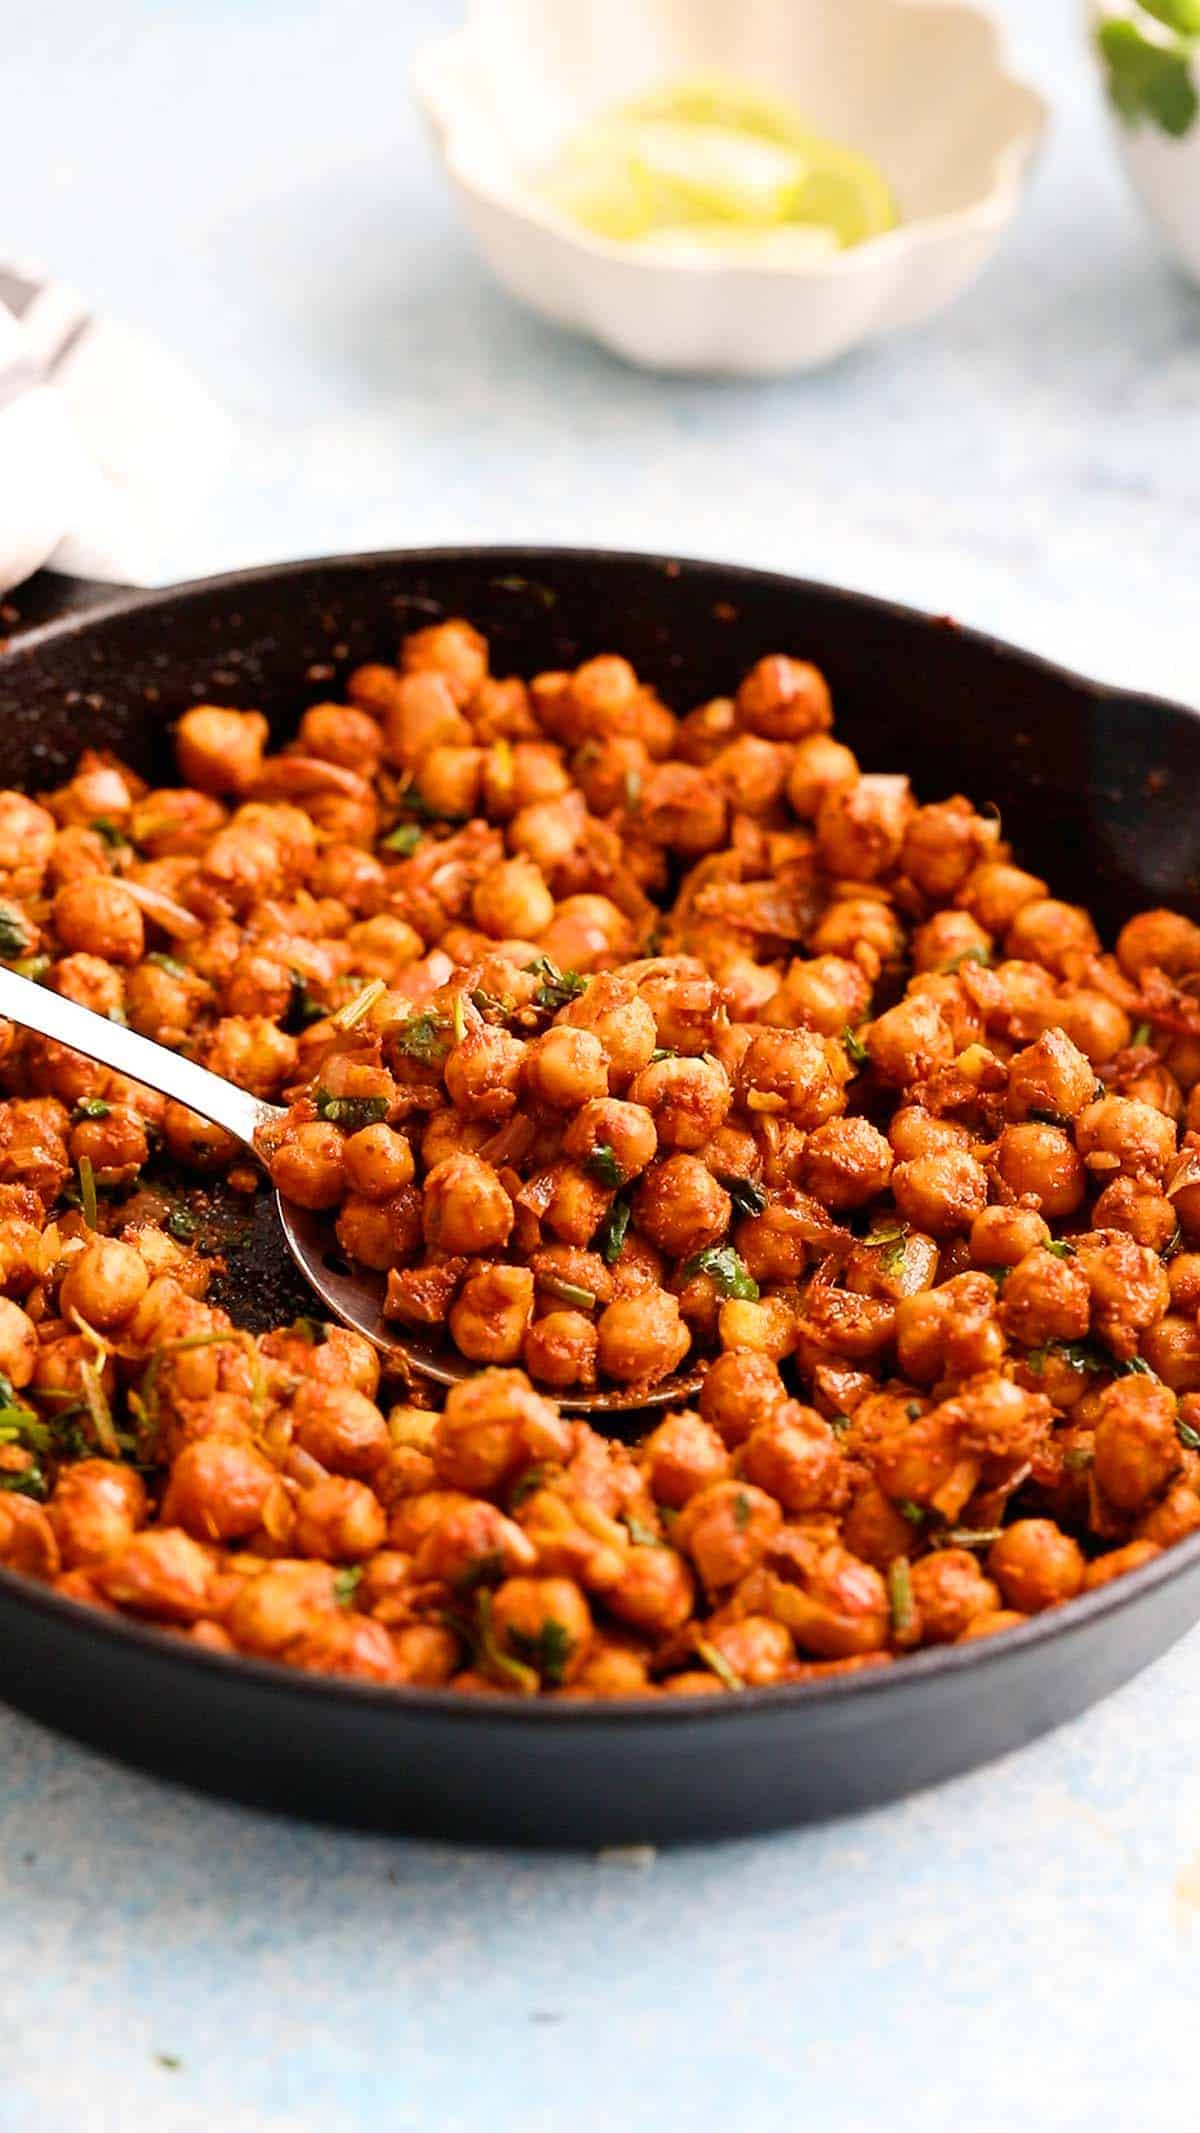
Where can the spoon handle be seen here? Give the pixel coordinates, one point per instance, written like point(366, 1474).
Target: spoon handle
point(33, 1007)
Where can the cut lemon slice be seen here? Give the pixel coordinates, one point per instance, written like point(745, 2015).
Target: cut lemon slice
point(846, 193)
point(712, 173)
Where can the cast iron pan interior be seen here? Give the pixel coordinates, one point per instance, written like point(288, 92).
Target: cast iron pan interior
point(1095, 787)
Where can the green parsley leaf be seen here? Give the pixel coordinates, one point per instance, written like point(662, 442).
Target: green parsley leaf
point(662, 1051)
point(641, 1536)
point(900, 1596)
point(1050, 1118)
point(33, 967)
point(110, 832)
point(533, 1479)
point(14, 932)
point(976, 953)
point(741, 1510)
point(914, 1411)
point(1078, 1459)
point(1060, 1248)
point(1148, 79)
point(718, 1664)
point(841, 1425)
point(1188, 1437)
point(610, 1236)
point(402, 840)
point(346, 1583)
point(549, 1651)
point(602, 1164)
point(302, 1009)
point(351, 1112)
point(726, 1267)
point(1088, 1355)
point(748, 1198)
point(92, 1107)
point(1181, 15)
point(558, 987)
point(856, 1050)
point(915, 1513)
point(999, 1274)
point(890, 1240)
point(424, 1037)
point(30, 1481)
point(181, 1224)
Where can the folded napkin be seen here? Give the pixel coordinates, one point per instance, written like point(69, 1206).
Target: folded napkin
point(104, 441)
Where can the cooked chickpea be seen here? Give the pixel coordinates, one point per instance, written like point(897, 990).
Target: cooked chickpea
point(465, 1207)
point(559, 1350)
point(688, 1099)
point(491, 1314)
point(98, 917)
point(784, 700)
point(339, 1520)
point(1118, 1133)
point(681, 1207)
point(846, 1162)
point(1045, 1299)
point(219, 750)
point(565, 1068)
point(950, 1592)
point(105, 1283)
point(941, 1193)
point(794, 1456)
point(860, 827)
point(682, 1455)
point(909, 1041)
point(641, 1339)
point(995, 892)
point(1036, 1565)
point(377, 1161)
point(1000, 1236)
point(1045, 931)
point(1041, 1168)
point(310, 1167)
point(820, 765)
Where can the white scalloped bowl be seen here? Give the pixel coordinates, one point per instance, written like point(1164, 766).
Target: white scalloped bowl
point(919, 85)
point(1164, 172)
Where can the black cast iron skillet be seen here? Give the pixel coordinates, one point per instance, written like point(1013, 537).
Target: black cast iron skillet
point(1096, 787)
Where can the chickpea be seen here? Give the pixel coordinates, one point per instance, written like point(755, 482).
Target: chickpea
point(1051, 1075)
point(492, 1313)
point(378, 1162)
point(724, 1530)
point(684, 1454)
point(949, 1591)
point(97, 916)
point(704, 731)
point(565, 1068)
point(1172, 1349)
point(585, 932)
point(784, 700)
point(1000, 1236)
point(789, 1070)
point(681, 1207)
point(641, 1339)
point(1048, 932)
point(655, 1592)
point(492, 1426)
point(341, 733)
point(910, 1041)
point(18, 1343)
point(1130, 1289)
point(452, 650)
point(339, 1520)
point(1118, 1561)
point(576, 1205)
point(384, 946)
point(219, 750)
point(483, 1073)
point(794, 1456)
point(559, 1350)
point(1159, 940)
point(1137, 1448)
point(1036, 1565)
point(950, 1331)
point(834, 1605)
point(1183, 1282)
point(775, 1245)
point(513, 900)
point(941, 1194)
point(826, 994)
point(1173, 1519)
point(96, 1508)
point(860, 827)
point(341, 1428)
point(688, 1099)
point(874, 1529)
point(1094, 1023)
point(27, 838)
point(162, 1573)
point(309, 1168)
point(251, 1051)
point(768, 1326)
point(1045, 1299)
point(949, 940)
point(758, 1649)
point(988, 1625)
point(846, 1162)
point(1146, 1216)
point(474, 1542)
point(544, 1623)
point(682, 808)
point(623, 1022)
point(820, 766)
point(105, 1284)
point(741, 1389)
point(1040, 1167)
point(752, 774)
point(1119, 1133)
point(942, 844)
point(221, 1491)
point(995, 892)
point(465, 1207)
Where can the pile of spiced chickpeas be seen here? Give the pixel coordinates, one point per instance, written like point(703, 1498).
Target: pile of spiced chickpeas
point(619, 1047)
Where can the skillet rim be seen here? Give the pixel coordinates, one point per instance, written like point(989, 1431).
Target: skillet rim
point(943, 1661)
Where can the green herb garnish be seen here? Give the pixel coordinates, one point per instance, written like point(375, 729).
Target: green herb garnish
point(972, 1536)
point(890, 1240)
point(109, 832)
point(610, 1236)
point(602, 1164)
point(1049, 1118)
point(748, 1198)
point(1141, 1035)
point(549, 1651)
point(976, 953)
point(641, 1536)
point(915, 1513)
point(1086, 1355)
point(302, 1009)
point(404, 839)
point(346, 1583)
point(533, 1479)
point(661, 1052)
point(900, 1597)
point(1148, 79)
point(741, 1510)
point(856, 1050)
point(1188, 1437)
point(726, 1268)
point(914, 1410)
point(352, 1112)
point(841, 1425)
point(170, 963)
point(1060, 1249)
point(87, 1191)
point(425, 1037)
point(718, 1664)
point(92, 1107)
point(13, 931)
point(33, 967)
point(568, 1292)
point(29, 1481)
point(181, 1224)
point(558, 987)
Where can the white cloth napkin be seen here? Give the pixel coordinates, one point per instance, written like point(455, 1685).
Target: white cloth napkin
point(104, 440)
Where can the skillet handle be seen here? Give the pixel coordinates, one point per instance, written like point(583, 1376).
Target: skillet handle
point(49, 597)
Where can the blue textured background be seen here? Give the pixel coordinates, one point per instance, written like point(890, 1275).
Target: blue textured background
point(249, 182)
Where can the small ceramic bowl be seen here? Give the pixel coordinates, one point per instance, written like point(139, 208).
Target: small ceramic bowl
point(1158, 141)
point(921, 86)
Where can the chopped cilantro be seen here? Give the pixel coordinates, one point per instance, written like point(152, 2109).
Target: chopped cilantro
point(602, 1164)
point(718, 1664)
point(181, 1224)
point(914, 1410)
point(313, 1330)
point(1188, 1437)
point(352, 1112)
point(403, 840)
point(741, 1510)
point(915, 1513)
point(999, 1274)
point(900, 1596)
point(568, 1292)
point(87, 1191)
point(530, 1482)
point(30, 1481)
point(302, 1009)
point(33, 967)
point(92, 1107)
point(856, 1050)
point(346, 1583)
point(558, 987)
point(841, 1425)
point(726, 1267)
point(1049, 1118)
point(14, 933)
point(661, 1052)
point(170, 963)
point(747, 1197)
point(109, 832)
point(425, 1037)
point(1060, 1248)
point(1078, 1459)
point(641, 1536)
point(1148, 79)
point(1087, 1355)
point(610, 1236)
point(549, 1651)
point(1141, 1035)
point(976, 953)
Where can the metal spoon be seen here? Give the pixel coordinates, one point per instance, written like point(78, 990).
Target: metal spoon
point(352, 1294)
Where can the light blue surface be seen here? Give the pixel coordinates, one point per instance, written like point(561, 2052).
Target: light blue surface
point(1014, 1950)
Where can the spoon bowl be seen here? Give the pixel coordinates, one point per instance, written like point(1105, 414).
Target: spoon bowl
point(354, 1295)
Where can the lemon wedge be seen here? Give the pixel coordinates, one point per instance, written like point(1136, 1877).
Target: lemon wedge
point(731, 167)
